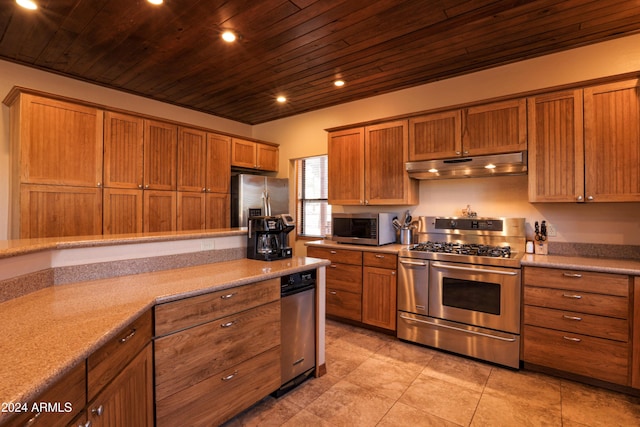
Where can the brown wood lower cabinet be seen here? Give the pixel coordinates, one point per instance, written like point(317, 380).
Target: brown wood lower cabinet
point(361, 285)
point(578, 322)
point(216, 354)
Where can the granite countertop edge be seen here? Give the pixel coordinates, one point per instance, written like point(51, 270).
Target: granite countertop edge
point(185, 282)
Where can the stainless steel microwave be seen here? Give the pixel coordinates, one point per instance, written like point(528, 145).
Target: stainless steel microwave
point(363, 228)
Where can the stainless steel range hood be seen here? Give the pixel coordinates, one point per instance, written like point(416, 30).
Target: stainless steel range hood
point(468, 167)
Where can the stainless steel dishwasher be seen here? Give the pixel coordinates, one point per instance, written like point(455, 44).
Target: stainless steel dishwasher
point(298, 317)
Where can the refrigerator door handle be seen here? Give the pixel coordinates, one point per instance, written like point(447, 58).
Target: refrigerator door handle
point(266, 200)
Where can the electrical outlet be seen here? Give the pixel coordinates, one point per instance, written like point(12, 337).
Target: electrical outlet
point(208, 245)
point(551, 230)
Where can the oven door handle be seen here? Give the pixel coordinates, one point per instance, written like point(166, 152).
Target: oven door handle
point(438, 325)
point(419, 263)
point(475, 270)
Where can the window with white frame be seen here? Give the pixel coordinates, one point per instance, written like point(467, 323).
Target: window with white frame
point(313, 209)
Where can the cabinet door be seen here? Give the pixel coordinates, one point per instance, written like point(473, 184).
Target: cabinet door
point(59, 143)
point(635, 362)
point(191, 211)
point(128, 400)
point(192, 156)
point(159, 211)
point(243, 153)
point(218, 211)
point(499, 127)
point(123, 149)
point(160, 151)
point(218, 172)
point(556, 156)
point(386, 180)
point(58, 211)
point(267, 157)
point(435, 136)
point(379, 297)
point(122, 211)
point(612, 142)
point(346, 167)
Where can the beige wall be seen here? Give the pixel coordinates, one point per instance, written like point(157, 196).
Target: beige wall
point(304, 135)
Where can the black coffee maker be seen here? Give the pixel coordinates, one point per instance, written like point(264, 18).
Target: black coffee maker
point(268, 237)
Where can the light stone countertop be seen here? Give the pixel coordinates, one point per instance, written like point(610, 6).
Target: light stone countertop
point(46, 333)
point(605, 265)
point(9, 248)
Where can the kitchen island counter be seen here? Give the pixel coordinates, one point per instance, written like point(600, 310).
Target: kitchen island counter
point(47, 332)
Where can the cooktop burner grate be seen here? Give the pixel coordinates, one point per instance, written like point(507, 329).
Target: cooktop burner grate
point(464, 249)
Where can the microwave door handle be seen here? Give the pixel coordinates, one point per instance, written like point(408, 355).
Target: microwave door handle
point(474, 270)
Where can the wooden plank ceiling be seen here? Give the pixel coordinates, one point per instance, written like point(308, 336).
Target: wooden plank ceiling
point(173, 52)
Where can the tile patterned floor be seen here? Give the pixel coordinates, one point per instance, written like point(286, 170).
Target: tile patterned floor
point(377, 380)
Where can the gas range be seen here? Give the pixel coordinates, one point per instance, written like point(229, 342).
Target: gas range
point(483, 241)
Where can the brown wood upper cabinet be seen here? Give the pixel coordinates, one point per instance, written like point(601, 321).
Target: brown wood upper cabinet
point(498, 127)
point(585, 144)
point(366, 166)
point(254, 155)
point(123, 150)
point(160, 153)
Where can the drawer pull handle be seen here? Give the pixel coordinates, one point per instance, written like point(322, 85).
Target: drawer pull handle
point(333, 266)
point(572, 339)
point(33, 419)
point(228, 324)
point(333, 292)
point(230, 376)
point(571, 317)
point(333, 252)
point(227, 296)
point(572, 296)
point(379, 256)
point(299, 361)
point(573, 275)
point(98, 411)
point(128, 337)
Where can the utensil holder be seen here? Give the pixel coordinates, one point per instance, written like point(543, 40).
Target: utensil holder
point(406, 236)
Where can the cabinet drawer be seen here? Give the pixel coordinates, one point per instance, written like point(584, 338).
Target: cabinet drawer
point(344, 304)
point(376, 259)
point(193, 311)
point(111, 358)
point(345, 277)
point(579, 354)
point(586, 281)
point(577, 301)
point(223, 395)
point(68, 391)
point(343, 256)
point(189, 356)
point(581, 323)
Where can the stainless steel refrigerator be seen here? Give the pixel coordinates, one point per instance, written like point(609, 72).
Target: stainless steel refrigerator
point(251, 195)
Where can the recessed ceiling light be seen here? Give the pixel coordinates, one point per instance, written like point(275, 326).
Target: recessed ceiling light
point(27, 4)
point(155, 1)
point(490, 166)
point(228, 36)
point(339, 83)
point(433, 170)
point(281, 99)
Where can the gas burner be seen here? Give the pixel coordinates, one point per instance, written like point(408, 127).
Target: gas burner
point(464, 249)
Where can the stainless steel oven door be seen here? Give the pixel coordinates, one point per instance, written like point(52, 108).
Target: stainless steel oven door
point(413, 283)
point(476, 295)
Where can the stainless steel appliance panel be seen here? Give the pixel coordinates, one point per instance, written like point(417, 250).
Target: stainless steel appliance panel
point(413, 285)
point(298, 334)
point(485, 344)
point(249, 192)
point(477, 295)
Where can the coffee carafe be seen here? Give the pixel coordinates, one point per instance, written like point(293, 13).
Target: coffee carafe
point(268, 237)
